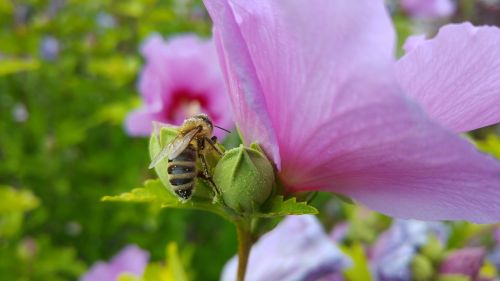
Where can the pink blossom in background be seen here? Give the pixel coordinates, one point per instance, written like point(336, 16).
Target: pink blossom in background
point(131, 259)
point(467, 262)
point(316, 83)
point(181, 78)
point(297, 249)
point(428, 8)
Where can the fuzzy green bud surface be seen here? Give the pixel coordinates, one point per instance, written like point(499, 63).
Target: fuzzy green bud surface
point(246, 178)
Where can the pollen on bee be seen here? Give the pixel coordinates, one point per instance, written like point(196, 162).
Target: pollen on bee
point(184, 193)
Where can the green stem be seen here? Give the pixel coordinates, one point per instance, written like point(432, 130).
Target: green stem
point(244, 246)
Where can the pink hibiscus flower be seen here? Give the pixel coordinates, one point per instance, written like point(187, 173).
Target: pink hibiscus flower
point(180, 79)
point(466, 262)
point(316, 83)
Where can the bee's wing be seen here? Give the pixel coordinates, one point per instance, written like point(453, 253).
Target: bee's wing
point(180, 143)
point(165, 151)
point(174, 148)
point(157, 129)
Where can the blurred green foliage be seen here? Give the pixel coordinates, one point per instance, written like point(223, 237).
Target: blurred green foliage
point(61, 138)
point(68, 71)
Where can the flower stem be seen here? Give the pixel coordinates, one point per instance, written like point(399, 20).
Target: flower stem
point(245, 242)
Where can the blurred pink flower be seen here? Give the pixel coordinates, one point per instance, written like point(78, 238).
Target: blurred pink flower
point(314, 82)
point(467, 262)
point(131, 259)
point(428, 8)
point(181, 78)
point(297, 249)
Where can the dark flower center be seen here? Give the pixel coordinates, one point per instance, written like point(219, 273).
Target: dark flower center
point(185, 104)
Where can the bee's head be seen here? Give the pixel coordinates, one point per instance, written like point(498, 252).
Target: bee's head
point(204, 118)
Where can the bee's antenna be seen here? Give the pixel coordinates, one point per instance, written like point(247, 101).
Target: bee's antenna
point(222, 128)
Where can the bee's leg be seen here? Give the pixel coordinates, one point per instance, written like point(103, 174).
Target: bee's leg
point(204, 165)
point(211, 142)
point(206, 174)
point(201, 175)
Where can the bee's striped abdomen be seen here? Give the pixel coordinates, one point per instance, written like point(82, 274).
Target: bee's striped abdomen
point(182, 172)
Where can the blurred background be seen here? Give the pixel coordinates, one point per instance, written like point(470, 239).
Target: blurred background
point(68, 76)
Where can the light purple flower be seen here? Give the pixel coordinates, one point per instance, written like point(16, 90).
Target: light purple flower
point(131, 259)
point(314, 83)
point(105, 20)
point(496, 235)
point(297, 249)
point(181, 78)
point(494, 256)
point(429, 8)
point(396, 247)
point(467, 261)
point(20, 113)
point(49, 48)
point(339, 232)
point(54, 7)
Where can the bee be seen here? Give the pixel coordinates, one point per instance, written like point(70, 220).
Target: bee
point(190, 145)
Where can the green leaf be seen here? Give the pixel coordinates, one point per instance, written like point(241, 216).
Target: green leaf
point(360, 269)
point(278, 207)
point(453, 277)
point(128, 277)
point(11, 66)
point(463, 232)
point(13, 200)
point(172, 270)
point(117, 69)
point(155, 192)
point(403, 27)
point(343, 198)
point(175, 264)
point(491, 145)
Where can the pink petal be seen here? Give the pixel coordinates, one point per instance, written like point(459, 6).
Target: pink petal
point(318, 79)
point(130, 259)
point(467, 261)
point(456, 76)
point(98, 272)
point(271, 69)
point(181, 77)
point(425, 173)
point(395, 161)
point(413, 42)
point(247, 100)
point(139, 122)
point(184, 62)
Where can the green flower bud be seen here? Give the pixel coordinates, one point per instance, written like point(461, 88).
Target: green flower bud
point(421, 267)
point(246, 178)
